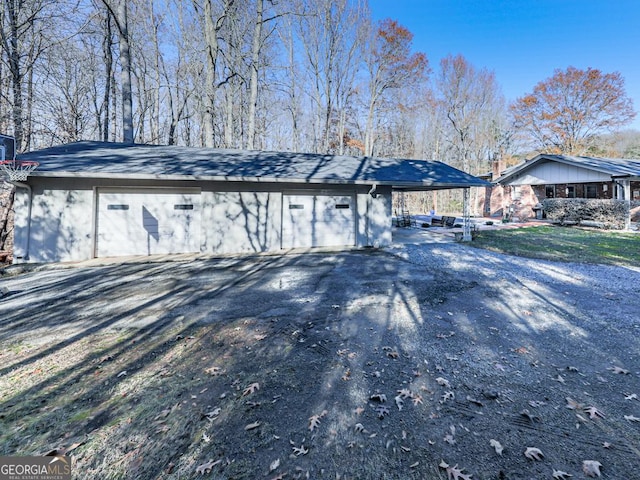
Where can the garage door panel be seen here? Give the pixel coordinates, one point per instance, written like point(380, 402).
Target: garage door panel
point(147, 223)
point(318, 220)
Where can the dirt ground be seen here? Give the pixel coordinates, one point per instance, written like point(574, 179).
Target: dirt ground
point(433, 361)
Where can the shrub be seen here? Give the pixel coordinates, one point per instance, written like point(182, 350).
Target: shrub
point(611, 213)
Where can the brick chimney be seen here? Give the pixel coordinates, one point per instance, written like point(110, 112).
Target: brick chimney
point(496, 168)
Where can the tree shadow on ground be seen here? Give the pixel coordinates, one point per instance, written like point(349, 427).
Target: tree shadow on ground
point(358, 365)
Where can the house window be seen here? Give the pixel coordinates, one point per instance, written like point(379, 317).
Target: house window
point(517, 192)
point(591, 191)
point(571, 191)
point(550, 191)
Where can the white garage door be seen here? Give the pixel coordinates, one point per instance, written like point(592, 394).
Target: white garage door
point(318, 220)
point(147, 222)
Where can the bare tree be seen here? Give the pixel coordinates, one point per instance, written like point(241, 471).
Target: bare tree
point(23, 26)
point(391, 66)
point(119, 11)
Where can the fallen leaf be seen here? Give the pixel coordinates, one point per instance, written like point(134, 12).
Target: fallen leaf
point(274, 465)
point(618, 370)
point(496, 444)
point(206, 467)
point(378, 397)
point(251, 389)
point(631, 396)
point(532, 418)
point(213, 413)
point(417, 399)
point(358, 410)
point(594, 413)
point(314, 420)
point(573, 405)
point(122, 374)
point(214, 371)
point(533, 453)
point(405, 393)
point(631, 418)
point(454, 473)
point(450, 439)
point(399, 402)
point(381, 410)
point(591, 468)
point(560, 475)
point(253, 425)
point(443, 382)
point(297, 451)
point(359, 428)
point(448, 396)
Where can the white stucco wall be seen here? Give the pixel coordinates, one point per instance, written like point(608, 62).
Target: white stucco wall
point(61, 226)
point(374, 219)
point(235, 222)
point(235, 217)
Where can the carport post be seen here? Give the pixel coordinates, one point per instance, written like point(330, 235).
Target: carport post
point(466, 221)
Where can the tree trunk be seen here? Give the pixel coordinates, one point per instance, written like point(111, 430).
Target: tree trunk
point(13, 54)
point(108, 64)
point(211, 38)
point(28, 127)
point(253, 83)
point(125, 60)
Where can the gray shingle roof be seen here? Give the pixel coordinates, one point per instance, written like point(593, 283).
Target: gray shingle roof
point(116, 160)
point(616, 167)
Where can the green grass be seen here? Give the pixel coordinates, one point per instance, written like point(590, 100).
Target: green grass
point(564, 244)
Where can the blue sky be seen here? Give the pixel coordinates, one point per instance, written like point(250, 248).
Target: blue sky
point(523, 42)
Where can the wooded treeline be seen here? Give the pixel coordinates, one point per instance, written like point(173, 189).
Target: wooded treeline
point(301, 75)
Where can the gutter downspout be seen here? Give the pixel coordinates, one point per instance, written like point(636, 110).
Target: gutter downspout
point(27, 187)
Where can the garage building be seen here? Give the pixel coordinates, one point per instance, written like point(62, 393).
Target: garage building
point(98, 199)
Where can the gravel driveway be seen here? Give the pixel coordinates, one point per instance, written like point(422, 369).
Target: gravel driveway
point(427, 359)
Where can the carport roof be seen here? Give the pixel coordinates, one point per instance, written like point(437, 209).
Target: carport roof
point(88, 159)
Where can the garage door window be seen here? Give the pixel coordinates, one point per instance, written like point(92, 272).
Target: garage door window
point(183, 207)
point(117, 207)
point(296, 207)
point(342, 206)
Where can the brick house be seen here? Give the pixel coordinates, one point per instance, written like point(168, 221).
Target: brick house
point(521, 188)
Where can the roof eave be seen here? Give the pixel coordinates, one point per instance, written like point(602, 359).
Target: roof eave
point(258, 179)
